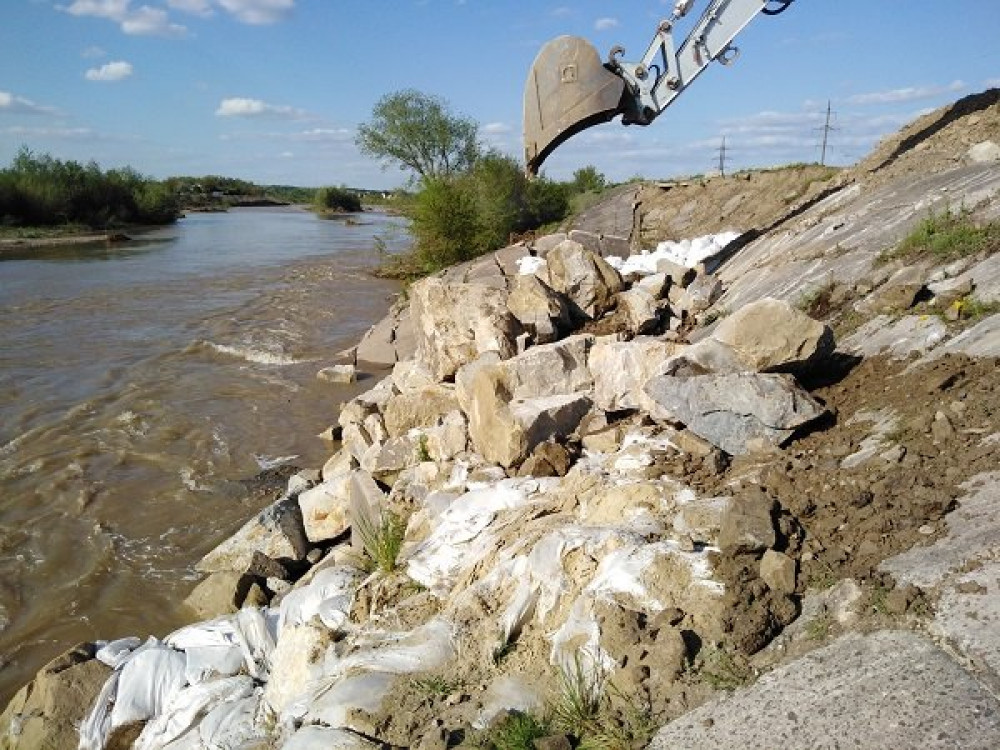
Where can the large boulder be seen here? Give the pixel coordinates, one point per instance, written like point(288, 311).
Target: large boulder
point(584, 277)
point(540, 309)
point(738, 413)
point(621, 368)
point(772, 336)
point(418, 408)
point(324, 508)
point(45, 713)
point(454, 323)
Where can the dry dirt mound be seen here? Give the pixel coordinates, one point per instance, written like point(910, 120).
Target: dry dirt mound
point(935, 142)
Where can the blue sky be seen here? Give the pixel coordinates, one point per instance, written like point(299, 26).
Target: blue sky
point(273, 90)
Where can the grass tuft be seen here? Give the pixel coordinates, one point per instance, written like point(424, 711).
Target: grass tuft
point(945, 237)
point(518, 732)
point(382, 539)
point(577, 705)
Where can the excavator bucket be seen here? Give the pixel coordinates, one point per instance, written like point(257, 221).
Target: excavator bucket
point(568, 90)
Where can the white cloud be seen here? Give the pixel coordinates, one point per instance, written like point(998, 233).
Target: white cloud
point(244, 107)
point(18, 105)
point(92, 53)
point(604, 24)
point(258, 12)
point(907, 94)
point(194, 7)
point(992, 83)
point(496, 128)
point(141, 21)
point(112, 71)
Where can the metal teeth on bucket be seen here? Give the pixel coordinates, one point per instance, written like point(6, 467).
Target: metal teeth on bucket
point(568, 90)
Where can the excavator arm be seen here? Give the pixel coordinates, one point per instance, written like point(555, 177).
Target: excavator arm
point(570, 89)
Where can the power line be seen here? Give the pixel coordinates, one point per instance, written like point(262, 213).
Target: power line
point(722, 157)
point(827, 129)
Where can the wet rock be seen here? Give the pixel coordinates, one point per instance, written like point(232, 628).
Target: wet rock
point(777, 570)
point(733, 411)
point(418, 408)
point(455, 323)
point(45, 713)
point(584, 277)
point(277, 531)
point(747, 523)
point(338, 374)
point(324, 509)
point(772, 336)
point(540, 309)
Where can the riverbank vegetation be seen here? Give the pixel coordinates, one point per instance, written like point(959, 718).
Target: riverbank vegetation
point(42, 191)
point(336, 200)
point(469, 200)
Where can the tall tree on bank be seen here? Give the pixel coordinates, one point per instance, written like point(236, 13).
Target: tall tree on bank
point(418, 132)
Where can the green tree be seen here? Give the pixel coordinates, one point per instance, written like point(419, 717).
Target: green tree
point(588, 180)
point(338, 199)
point(418, 132)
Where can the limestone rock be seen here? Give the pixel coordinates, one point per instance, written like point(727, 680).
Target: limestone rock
point(45, 713)
point(548, 459)
point(747, 524)
point(386, 461)
point(296, 659)
point(772, 336)
point(701, 520)
point(338, 374)
point(220, 594)
point(657, 284)
point(640, 309)
point(736, 412)
point(984, 152)
point(324, 509)
point(543, 312)
point(418, 408)
point(448, 438)
point(701, 294)
point(899, 292)
point(455, 323)
point(680, 276)
point(708, 356)
point(584, 277)
point(621, 368)
point(277, 531)
point(777, 570)
point(388, 341)
point(543, 245)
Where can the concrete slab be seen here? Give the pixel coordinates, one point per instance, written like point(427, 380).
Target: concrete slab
point(973, 535)
point(890, 689)
point(968, 617)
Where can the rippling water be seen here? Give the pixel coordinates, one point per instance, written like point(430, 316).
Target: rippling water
point(138, 384)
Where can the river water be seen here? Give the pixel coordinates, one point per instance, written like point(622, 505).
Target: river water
point(138, 385)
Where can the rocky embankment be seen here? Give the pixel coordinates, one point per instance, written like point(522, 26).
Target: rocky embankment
point(737, 492)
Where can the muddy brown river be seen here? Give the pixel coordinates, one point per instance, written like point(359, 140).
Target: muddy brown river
point(138, 385)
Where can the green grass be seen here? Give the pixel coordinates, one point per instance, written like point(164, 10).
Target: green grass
point(434, 686)
point(819, 628)
point(972, 309)
point(518, 732)
point(577, 704)
point(382, 539)
point(945, 237)
point(724, 670)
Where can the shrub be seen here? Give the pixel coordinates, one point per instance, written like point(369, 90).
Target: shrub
point(337, 200)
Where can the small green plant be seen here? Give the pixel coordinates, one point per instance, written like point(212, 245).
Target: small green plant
point(518, 732)
point(725, 670)
point(434, 686)
point(423, 453)
point(819, 628)
point(382, 539)
point(717, 313)
point(970, 308)
point(946, 236)
point(577, 705)
point(632, 728)
point(878, 598)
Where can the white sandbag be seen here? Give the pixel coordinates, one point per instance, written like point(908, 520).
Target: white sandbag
point(324, 738)
point(688, 253)
point(187, 705)
point(364, 692)
point(150, 678)
point(114, 653)
point(211, 649)
point(329, 595)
